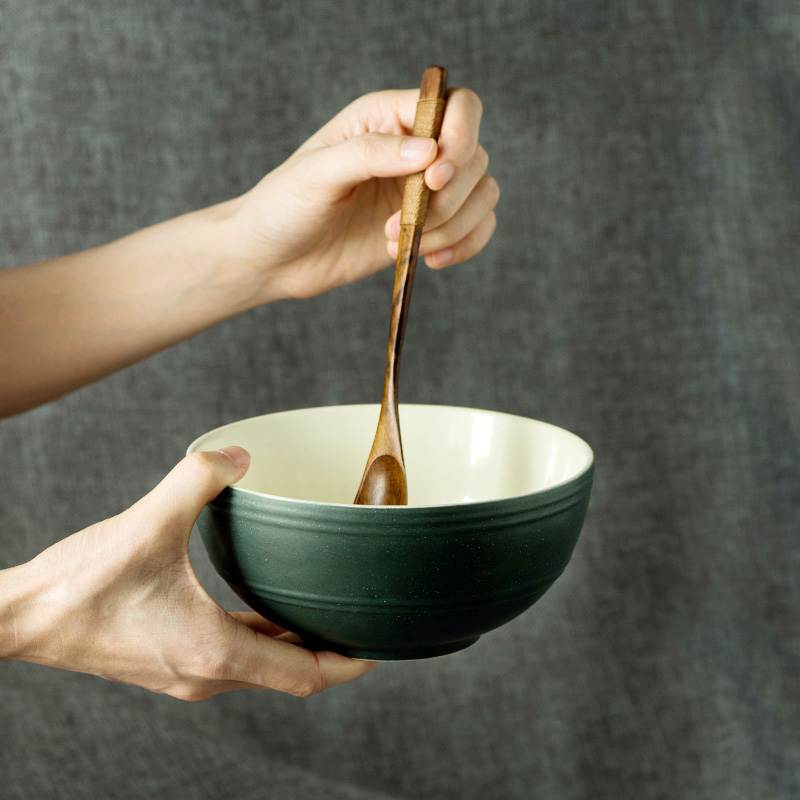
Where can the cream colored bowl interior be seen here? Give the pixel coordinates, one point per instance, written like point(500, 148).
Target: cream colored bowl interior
point(453, 455)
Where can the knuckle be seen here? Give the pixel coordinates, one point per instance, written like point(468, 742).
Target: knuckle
point(212, 666)
point(202, 465)
point(431, 243)
point(492, 189)
point(483, 233)
point(190, 693)
point(364, 99)
point(483, 158)
point(306, 685)
point(439, 238)
point(478, 238)
point(360, 107)
point(475, 103)
point(366, 146)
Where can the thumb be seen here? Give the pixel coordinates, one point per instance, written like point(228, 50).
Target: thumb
point(343, 166)
point(194, 482)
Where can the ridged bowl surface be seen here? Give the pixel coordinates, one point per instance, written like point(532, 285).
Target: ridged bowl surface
point(496, 504)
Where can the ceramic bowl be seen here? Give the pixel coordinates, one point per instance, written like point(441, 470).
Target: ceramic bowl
point(496, 503)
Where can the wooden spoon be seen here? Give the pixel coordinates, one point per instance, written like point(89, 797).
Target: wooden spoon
point(384, 481)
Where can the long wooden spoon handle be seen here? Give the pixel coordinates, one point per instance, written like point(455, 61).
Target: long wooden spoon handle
point(428, 123)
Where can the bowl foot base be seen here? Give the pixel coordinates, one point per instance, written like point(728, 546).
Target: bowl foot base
point(390, 653)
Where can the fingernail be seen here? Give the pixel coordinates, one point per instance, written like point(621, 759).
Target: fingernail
point(395, 229)
point(415, 148)
point(444, 172)
point(440, 259)
point(239, 457)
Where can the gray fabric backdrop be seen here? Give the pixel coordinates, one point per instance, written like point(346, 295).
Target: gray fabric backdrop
point(641, 290)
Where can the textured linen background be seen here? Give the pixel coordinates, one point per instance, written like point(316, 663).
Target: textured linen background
point(641, 290)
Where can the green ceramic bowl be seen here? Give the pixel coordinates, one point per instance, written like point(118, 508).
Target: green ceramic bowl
point(496, 503)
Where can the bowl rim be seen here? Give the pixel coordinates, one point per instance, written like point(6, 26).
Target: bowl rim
point(476, 505)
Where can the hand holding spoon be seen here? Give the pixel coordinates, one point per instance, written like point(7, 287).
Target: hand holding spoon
point(384, 480)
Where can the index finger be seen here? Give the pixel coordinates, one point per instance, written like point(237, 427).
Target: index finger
point(393, 112)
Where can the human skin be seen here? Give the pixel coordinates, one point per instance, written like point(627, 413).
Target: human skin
point(120, 599)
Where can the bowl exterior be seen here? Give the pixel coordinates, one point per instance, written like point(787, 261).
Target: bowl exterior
point(393, 583)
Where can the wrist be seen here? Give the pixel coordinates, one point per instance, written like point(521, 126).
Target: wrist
point(19, 591)
point(240, 275)
point(234, 281)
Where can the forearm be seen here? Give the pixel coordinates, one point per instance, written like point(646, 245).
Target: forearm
point(70, 321)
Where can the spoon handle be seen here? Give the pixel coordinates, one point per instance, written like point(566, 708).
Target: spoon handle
point(384, 481)
point(428, 123)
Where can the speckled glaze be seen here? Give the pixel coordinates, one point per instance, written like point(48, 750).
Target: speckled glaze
point(393, 583)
